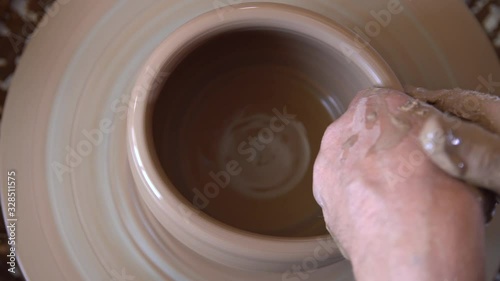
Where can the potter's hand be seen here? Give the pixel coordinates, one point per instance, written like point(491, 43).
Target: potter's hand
point(462, 149)
point(393, 212)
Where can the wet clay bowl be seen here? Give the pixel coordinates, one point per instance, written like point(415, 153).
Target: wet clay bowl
point(226, 119)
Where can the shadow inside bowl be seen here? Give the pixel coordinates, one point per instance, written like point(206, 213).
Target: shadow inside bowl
point(238, 124)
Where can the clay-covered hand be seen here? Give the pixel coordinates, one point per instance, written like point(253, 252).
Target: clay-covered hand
point(466, 150)
point(395, 215)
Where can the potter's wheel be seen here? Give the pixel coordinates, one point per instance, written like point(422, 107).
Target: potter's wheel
point(89, 224)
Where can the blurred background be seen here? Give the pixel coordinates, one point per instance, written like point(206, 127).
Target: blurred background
point(18, 19)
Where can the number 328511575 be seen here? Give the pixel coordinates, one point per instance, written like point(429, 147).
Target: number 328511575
point(11, 193)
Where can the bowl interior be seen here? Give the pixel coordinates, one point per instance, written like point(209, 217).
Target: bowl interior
point(238, 123)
